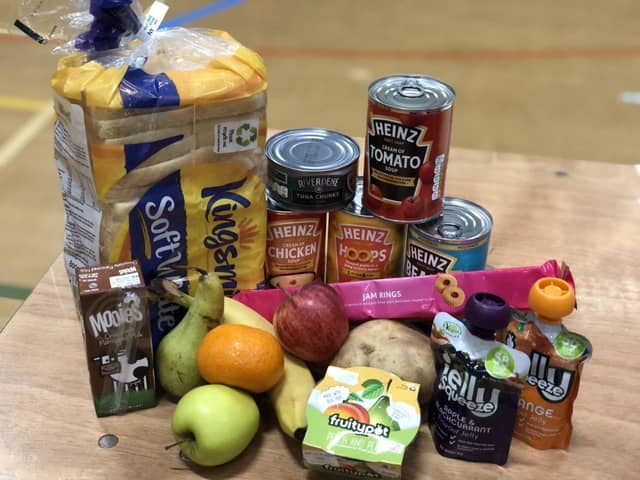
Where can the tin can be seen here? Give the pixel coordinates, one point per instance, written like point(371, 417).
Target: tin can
point(457, 240)
point(295, 252)
point(361, 246)
point(311, 169)
point(407, 147)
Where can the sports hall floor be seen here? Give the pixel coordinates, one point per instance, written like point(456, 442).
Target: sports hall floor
point(557, 79)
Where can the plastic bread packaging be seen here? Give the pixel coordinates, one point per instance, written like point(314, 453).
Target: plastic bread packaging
point(159, 147)
point(420, 298)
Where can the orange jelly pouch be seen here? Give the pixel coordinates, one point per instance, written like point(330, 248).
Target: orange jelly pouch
point(557, 356)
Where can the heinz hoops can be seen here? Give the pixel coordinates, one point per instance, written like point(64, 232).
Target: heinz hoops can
point(295, 246)
point(458, 239)
point(407, 147)
point(361, 246)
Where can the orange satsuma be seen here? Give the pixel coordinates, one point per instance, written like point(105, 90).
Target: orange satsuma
point(241, 356)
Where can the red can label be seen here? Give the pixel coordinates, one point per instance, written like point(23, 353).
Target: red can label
point(405, 163)
point(295, 248)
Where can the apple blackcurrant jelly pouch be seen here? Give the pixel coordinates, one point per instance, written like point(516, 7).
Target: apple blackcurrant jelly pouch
point(557, 356)
point(478, 382)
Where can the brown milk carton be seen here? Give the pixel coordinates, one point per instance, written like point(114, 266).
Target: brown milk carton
point(115, 325)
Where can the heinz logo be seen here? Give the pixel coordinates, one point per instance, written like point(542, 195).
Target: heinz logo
point(387, 128)
point(284, 230)
point(365, 234)
point(553, 383)
point(426, 262)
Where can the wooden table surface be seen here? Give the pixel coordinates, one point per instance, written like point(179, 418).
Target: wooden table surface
point(587, 214)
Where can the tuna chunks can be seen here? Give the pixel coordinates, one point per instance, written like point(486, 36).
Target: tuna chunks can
point(361, 246)
point(295, 246)
point(311, 169)
point(407, 147)
point(457, 240)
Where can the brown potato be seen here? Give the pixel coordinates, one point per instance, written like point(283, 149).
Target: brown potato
point(392, 346)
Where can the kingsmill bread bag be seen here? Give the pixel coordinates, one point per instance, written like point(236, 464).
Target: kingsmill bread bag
point(159, 143)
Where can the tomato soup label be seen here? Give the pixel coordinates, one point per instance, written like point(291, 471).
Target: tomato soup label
point(407, 147)
point(396, 154)
point(295, 248)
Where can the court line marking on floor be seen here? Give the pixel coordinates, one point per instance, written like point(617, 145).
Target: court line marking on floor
point(558, 53)
point(201, 12)
point(14, 292)
point(490, 54)
point(22, 104)
point(632, 98)
point(31, 128)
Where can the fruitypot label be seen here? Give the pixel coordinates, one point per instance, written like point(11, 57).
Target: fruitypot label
point(360, 422)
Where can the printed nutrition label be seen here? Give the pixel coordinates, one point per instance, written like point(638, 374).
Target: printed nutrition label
point(123, 281)
point(82, 212)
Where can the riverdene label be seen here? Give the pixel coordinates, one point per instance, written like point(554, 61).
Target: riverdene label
point(360, 421)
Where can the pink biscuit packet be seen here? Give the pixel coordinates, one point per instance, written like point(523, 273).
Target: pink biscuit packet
point(420, 298)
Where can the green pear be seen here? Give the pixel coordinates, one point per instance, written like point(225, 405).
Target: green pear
point(176, 366)
point(378, 413)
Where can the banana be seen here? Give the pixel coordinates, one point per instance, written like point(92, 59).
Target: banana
point(289, 397)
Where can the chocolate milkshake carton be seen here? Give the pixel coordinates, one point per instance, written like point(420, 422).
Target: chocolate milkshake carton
point(478, 382)
point(115, 323)
point(360, 422)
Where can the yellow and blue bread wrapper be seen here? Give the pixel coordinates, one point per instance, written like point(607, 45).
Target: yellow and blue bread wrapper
point(239, 75)
point(159, 146)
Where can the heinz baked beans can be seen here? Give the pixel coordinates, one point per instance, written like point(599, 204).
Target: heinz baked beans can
point(361, 246)
point(295, 246)
point(407, 147)
point(458, 239)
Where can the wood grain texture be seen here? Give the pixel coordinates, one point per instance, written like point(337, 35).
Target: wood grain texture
point(588, 216)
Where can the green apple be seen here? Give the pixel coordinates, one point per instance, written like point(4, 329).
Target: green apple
point(215, 423)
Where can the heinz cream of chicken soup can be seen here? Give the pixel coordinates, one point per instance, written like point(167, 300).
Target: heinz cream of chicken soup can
point(295, 246)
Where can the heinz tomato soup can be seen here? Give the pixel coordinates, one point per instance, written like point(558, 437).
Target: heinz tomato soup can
point(407, 147)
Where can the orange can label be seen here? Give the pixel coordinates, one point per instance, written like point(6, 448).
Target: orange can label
point(295, 248)
point(362, 248)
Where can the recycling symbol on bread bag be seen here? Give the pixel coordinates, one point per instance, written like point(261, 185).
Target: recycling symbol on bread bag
point(246, 134)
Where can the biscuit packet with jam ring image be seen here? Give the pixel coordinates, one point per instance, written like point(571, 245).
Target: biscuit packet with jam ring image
point(478, 382)
point(557, 357)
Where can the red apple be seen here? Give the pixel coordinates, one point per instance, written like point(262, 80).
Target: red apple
point(426, 173)
point(412, 207)
point(312, 323)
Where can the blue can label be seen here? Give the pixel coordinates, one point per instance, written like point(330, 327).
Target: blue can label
point(427, 257)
